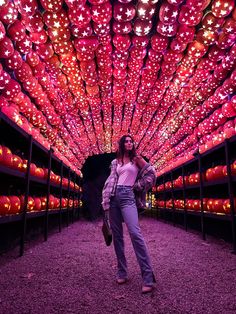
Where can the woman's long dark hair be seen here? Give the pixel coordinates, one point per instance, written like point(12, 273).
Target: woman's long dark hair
point(121, 150)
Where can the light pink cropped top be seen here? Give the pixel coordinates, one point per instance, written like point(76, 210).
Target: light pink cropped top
point(127, 173)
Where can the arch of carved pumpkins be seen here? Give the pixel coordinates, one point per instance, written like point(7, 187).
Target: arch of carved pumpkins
point(78, 74)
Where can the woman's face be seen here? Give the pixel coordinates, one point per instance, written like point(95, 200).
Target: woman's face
point(128, 144)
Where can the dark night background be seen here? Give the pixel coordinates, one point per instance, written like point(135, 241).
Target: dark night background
point(95, 172)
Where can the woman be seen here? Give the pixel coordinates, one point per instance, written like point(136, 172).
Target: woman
point(130, 175)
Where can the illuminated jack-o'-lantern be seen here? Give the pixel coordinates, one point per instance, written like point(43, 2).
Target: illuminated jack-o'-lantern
point(15, 207)
point(5, 205)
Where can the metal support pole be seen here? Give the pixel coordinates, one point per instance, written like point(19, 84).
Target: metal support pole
point(24, 217)
point(231, 195)
point(172, 196)
point(48, 194)
point(184, 196)
point(68, 196)
point(164, 194)
point(60, 213)
point(73, 211)
point(201, 196)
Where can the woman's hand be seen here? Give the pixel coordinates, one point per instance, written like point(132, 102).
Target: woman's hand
point(140, 162)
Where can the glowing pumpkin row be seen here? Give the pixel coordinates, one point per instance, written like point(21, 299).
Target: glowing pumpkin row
point(208, 125)
point(49, 136)
point(209, 204)
point(211, 174)
point(13, 161)
point(211, 140)
point(14, 204)
point(101, 13)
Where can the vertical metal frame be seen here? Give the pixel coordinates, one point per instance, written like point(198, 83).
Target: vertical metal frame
point(27, 184)
point(48, 194)
point(60, 212)
point(231, 194)
point(164, 195)
point(201, 195)
point(156, 196)
point(73, 210)
point(68, 197)
point(184, 196)
point(173, 200)
point(79, 195)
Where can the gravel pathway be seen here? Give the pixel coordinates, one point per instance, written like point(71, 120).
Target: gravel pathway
point(74, 272)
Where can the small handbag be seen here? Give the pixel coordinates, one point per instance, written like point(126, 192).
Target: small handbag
point(106, 230)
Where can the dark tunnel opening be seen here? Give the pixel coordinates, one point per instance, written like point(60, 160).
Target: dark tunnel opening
point(95, 172)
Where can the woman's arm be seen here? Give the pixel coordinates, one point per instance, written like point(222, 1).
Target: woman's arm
point(146, 178)
point(108, 186)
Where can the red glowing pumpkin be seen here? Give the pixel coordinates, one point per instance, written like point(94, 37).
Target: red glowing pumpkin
point(218, 172)
point(189, 204)
point(33, 168)
point(37, 204)
point(209, 174)
point(5, 205)
point(6, 156)
point(43, 202)
point(196, 205)
point(30, 204)
point(17, 162)
point(70, 203)
point(218, 206)
point(39, 172)
point(233, 168)
point(56, 202)
point(15, 205)
point(210, 204)
point(51, 202)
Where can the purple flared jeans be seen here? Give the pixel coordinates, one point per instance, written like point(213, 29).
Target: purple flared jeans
point(123, 209)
